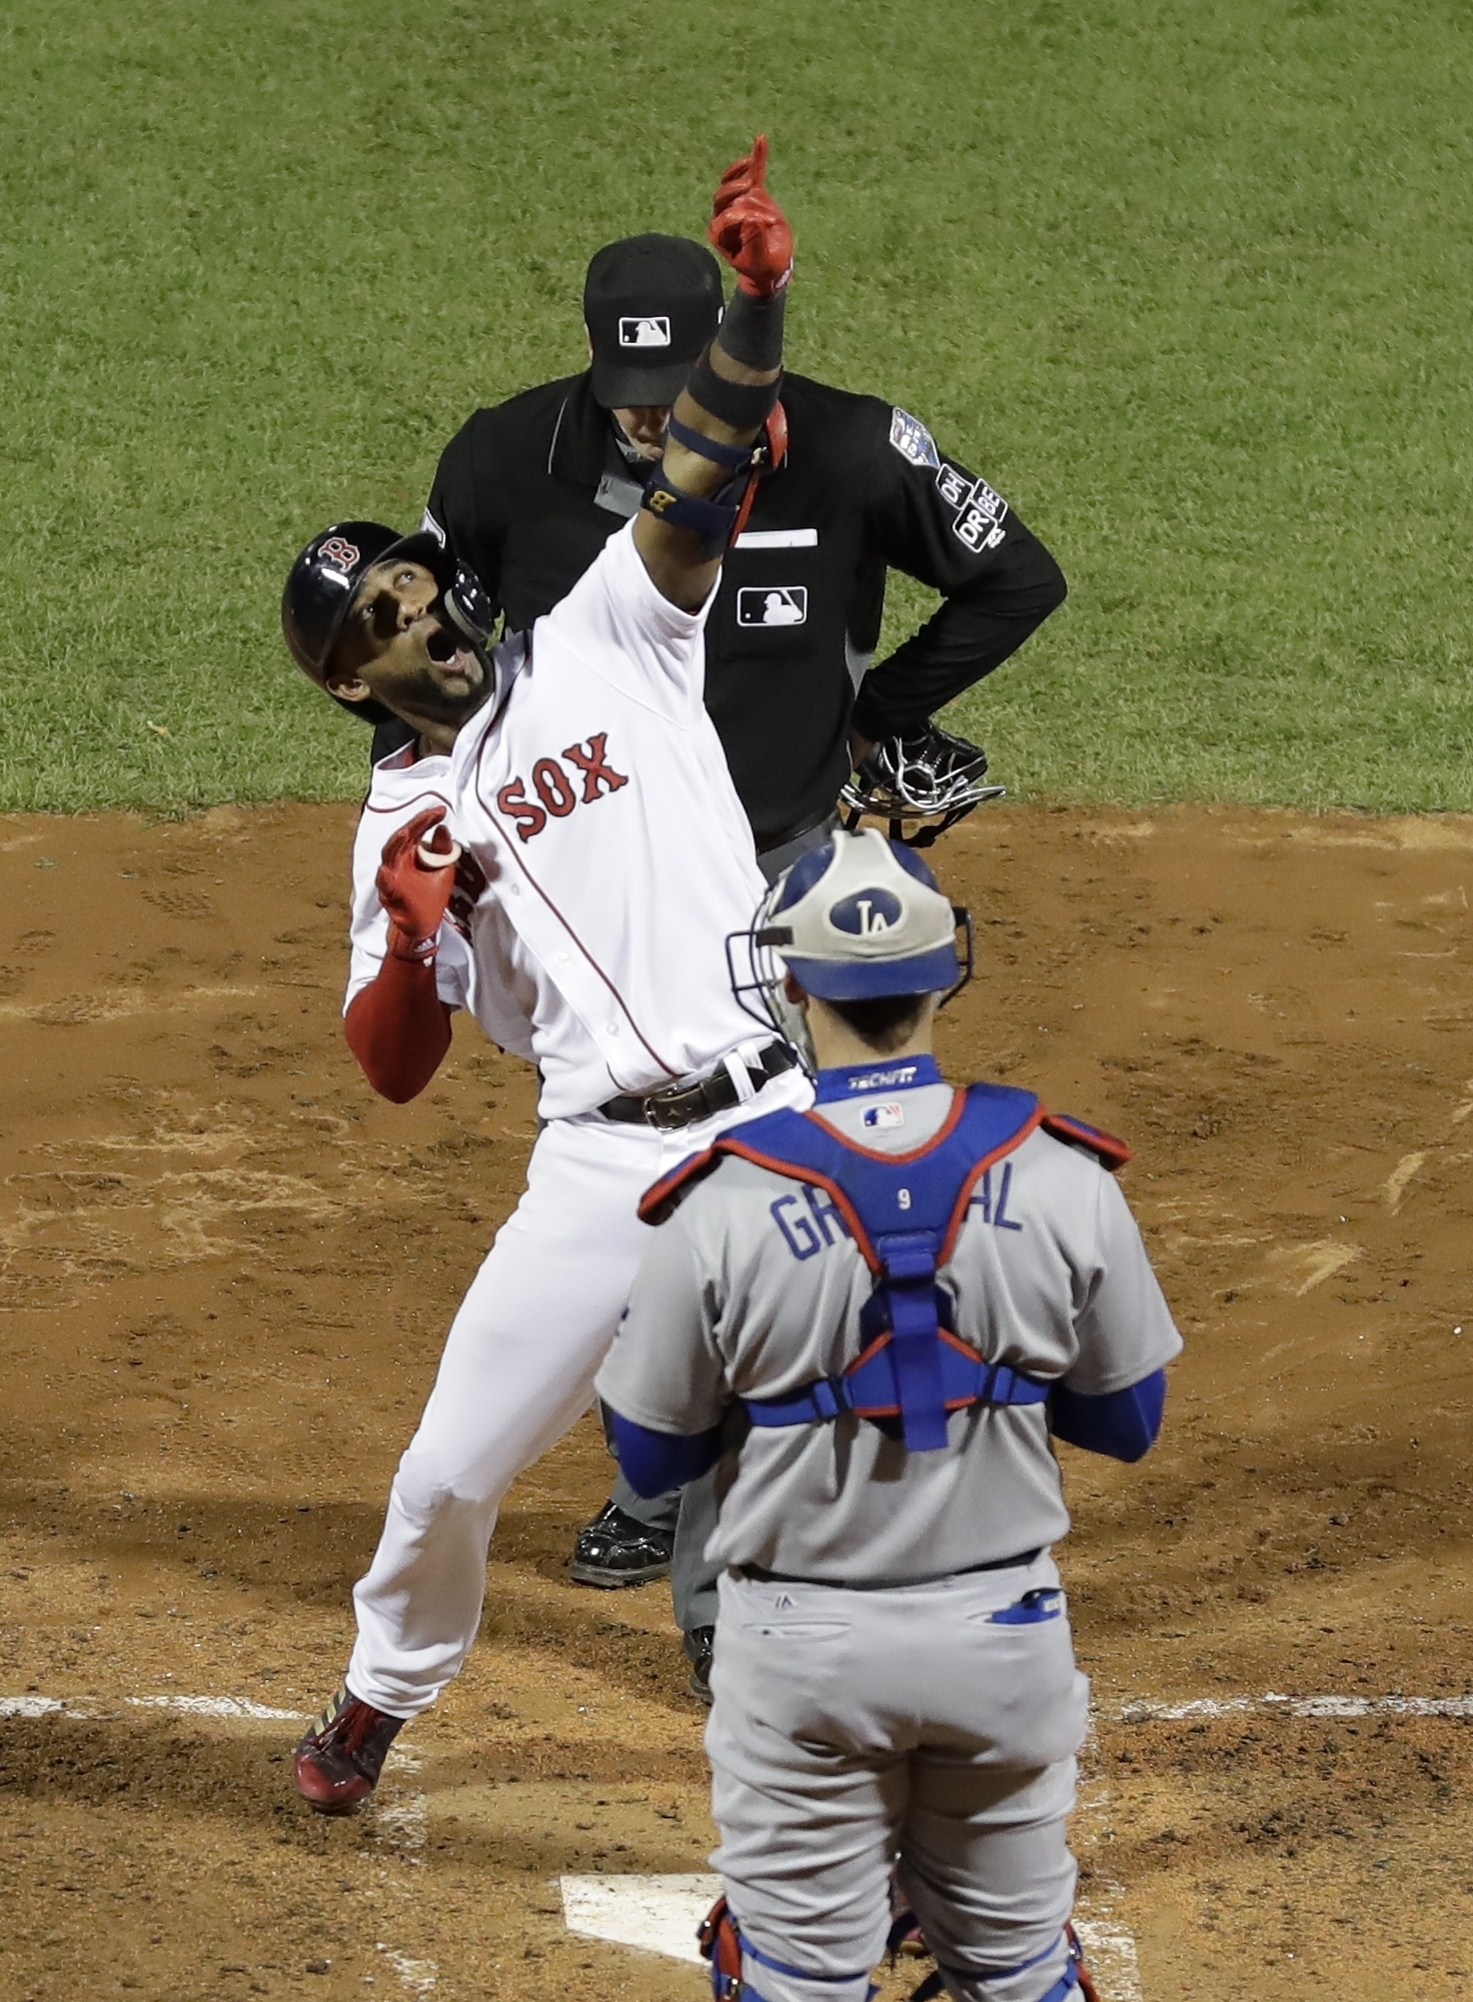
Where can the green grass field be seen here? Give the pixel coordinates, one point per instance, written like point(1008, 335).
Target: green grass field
point(1192, 285)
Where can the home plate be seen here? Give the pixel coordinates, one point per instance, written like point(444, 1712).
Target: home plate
point(663, 1915)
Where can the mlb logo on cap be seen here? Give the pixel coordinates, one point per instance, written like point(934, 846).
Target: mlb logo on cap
point(648, 330)
point(651, 303)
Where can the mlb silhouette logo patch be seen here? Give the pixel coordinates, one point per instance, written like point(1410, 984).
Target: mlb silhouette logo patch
point(883, 1118)
point(644, 330)
point(772, 605)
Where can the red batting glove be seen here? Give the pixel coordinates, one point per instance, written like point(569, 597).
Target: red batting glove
point(748, 227)
point(416, 897)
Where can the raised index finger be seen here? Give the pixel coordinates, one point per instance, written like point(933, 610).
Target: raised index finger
point(743, 175)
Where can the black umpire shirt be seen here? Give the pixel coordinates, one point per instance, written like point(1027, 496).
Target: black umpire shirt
point(529, 492)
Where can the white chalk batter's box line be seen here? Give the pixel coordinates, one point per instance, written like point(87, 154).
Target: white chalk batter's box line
point(239, 1708)
point(1139, 1711)
point(1135, 1710)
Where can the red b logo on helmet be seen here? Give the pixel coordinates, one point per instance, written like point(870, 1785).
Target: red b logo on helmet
point(340, 552)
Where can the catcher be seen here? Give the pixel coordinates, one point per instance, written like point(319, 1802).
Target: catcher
point(874, 1315)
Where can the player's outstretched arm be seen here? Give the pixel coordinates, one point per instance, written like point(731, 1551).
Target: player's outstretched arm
point(685, 525)
point(397, 1026)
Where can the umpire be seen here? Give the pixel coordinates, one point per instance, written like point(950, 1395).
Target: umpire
point(528, 492)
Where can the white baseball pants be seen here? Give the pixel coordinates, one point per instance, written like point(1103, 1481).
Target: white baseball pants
point(516, 1373)
point(850, 1728)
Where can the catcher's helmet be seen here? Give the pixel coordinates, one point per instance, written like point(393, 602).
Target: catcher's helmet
point(931, 778)
point(857, 919)
point(326, 575)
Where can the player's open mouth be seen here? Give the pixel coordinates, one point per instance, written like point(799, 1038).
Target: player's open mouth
point(447, 650)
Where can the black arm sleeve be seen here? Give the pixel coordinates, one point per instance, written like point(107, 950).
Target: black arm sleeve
point(940, 524)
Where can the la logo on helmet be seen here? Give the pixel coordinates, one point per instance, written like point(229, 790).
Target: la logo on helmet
point(866, 912)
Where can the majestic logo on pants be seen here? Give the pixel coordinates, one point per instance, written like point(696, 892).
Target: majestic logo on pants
point(644, 330)
point(772, 605)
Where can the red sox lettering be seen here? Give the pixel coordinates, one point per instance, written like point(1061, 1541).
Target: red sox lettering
point(470, 887)
point(557, 789)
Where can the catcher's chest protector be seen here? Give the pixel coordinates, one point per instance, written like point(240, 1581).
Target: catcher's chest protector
point(904, 1212)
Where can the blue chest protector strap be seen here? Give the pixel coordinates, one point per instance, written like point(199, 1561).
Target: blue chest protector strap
point(904, 1212)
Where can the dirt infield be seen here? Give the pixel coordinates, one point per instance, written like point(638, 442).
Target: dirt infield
point(225, 1270)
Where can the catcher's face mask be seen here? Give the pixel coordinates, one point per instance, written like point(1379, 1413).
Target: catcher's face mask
point(920, 785)
point(857, 919)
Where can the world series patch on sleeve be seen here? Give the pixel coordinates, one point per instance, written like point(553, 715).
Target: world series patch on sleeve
point(912, 440)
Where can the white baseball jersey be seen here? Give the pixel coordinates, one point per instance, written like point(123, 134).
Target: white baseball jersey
point(606, 856)
point(753, 1288)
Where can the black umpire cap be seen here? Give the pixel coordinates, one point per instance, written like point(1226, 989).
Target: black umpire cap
point(651, 303)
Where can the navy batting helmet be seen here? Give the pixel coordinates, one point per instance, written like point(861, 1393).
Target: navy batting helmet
point(328, 572)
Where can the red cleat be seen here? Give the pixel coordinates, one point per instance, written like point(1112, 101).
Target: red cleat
point(338, 1763)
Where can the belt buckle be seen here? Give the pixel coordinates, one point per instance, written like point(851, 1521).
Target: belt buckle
point(662, 1111)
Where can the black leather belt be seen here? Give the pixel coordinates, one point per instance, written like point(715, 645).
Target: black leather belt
point(759, 1574)
point(671, 1109)
point(827, 820)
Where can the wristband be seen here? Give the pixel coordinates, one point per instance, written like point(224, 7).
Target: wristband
point(745, 406)
point(737, 458)
point(752, 328)
point(713, 520)
point(403, 945)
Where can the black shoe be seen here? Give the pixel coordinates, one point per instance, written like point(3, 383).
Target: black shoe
point(700, 1645)
point(615, 1550)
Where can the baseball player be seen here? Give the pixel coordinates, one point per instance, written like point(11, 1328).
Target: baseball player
point(561, 852)
point(529, 491)
point(873, 1315)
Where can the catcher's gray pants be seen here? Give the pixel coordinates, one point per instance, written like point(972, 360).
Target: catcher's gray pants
point(935, 1722)
point(691, 1511)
